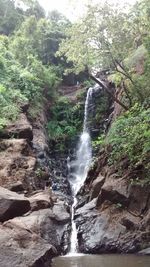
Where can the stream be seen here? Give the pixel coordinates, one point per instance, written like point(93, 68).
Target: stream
point(80, 167)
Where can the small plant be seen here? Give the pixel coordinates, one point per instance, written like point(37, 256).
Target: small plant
point(119, 205)
point(39, 172)
point(99, 142)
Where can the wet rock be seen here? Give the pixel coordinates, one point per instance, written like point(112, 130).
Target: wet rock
point(12, 205)
point(86, 208)
point(145, 251)
point(111, 226)
point(60, 212)
point(110, 230)
point(20, 129)
point(82, 200)
point(96, 186)
point(95, 234)
point(22, 248)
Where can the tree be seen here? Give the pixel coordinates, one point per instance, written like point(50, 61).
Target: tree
point(97, 42)
point(34, 9)
point(10, 16)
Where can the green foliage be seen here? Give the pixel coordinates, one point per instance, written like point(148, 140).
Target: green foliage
point(116, 78)
point(103, 44)
point(31, 80)
point(23, 76)
point(34, 8)
point(40, 38)
point(9, 107)
point(136, 56)
point(119, 206)
point(129, 136)
point(66, 120)
point(99, 37)
point(10, 17)
point(99, 142)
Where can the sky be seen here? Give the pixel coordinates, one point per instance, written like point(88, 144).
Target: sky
point(74, 8)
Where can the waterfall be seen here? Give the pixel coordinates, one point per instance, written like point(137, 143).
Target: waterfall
point(80, 167)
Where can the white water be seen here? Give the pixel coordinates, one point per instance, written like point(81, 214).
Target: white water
point(81, 166)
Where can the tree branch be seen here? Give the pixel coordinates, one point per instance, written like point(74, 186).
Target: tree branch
point(104, 86)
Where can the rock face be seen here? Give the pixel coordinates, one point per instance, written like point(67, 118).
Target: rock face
point(36, 227)
point(21, 248)
point(116, 216)
point(20, 129)
point(17, 163)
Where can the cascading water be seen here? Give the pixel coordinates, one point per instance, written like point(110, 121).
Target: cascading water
point(80, 167)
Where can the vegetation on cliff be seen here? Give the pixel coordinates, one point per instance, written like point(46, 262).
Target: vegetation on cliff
point(117, 40)
point(37, 50)
point(28, 65)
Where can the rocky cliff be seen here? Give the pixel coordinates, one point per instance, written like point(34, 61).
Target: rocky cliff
point(113, 211)
point(35, 222)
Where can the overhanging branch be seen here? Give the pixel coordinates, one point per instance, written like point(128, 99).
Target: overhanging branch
point(105, 87)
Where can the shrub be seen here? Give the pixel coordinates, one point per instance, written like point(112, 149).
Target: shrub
point(9, 107)
point(129, 136)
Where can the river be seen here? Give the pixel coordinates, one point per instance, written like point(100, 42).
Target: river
point(102, 261)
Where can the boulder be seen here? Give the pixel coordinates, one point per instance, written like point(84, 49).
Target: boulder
point(61, 213)
point(22, 248)
point(95, 232)
point(41, 200)
point(115, 191)
point(12, 205)
point(111, 226)
point(46, 223)
point(88, 207)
